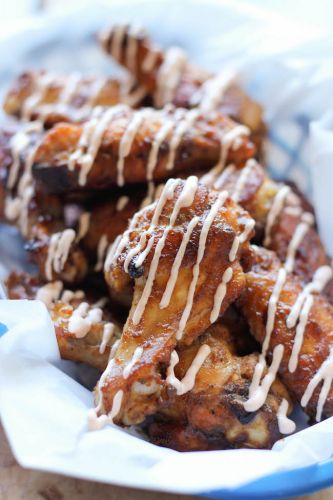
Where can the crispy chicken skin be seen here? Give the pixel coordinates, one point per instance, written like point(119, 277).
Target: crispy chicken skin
point(67, 98)
point(212, 415)
point(318, 334)
point(234, 102)
point(257, 196)
point(152, 328)
point(200, 147)
point(86, 349)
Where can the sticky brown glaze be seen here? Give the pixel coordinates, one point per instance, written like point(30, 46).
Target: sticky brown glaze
point(199, 147)
point(156, 330)
point(212, 415)
point(318, 334)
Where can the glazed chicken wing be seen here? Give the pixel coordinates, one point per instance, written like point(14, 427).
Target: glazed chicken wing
point(85, 332)
point(284, 221)
point(52, 98)
point(211, 415)
point(170, 250)
point(170, 78)
point(294, 324)
point(122, 146)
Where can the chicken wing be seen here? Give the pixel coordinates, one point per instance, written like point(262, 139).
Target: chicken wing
point(170, 78)
point(293, 322)
point(284, 220)
point(169, 250)
point(211, 415)
point(52, 98)
point(122, 146)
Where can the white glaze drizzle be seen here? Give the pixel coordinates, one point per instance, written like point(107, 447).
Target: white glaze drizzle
point(301, 310)
point(168, 76)
point(122, 202)
point(42, 86)
point(259, 388)
point(108, 332)
point(126, 141)
point(161, 136)
point(49, 293)
point(150, 60)
point(165, 301)
point(220, 294)
point(286, 425)
point(132, 48)
point(185, 199)
point(241, 238)
point(211, 93)
point(185, 124)
point(84, 224)
point(325, 375)
point(101, 252)
point(275, 211)
point(118, 34)
point(136, 356)
point(91, 139)
point(196, 269)
point(187, 383)
point(82, 319)
point(299, 233)
point(59, 247)
point(241, 181)
point(167, 194)
point(18, 143)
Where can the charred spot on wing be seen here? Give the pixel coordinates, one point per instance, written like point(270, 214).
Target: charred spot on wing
point(133, 271)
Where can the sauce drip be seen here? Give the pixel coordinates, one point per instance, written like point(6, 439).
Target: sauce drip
point(187, 383)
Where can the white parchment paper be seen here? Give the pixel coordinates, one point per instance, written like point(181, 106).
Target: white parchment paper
point(43, 406)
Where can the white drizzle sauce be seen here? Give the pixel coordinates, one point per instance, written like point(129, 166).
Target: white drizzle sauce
point(118, 34)
point(84, 223)
point(126, 142)
point(187, 383)
point(161, 136)
point(275, 211)
point(122, 203)
point(150, 60)
point(196, 269)
point(91, 139)
point(42, 87)
point(181, 129)
point(49, 293)
point(241, 182)
point(168, 76)
point(18, 144)
point(165, 301)
point(185, 199)
point(82, 319)
point(58, 251)
point(108, 332)
point(286, 425)
point(325, 375)
point(101, 251)
point(211, 93)
point(220, 294)
point(241, 238)
point(132, 48)
point(301, 310)
point(136, 356)
point(259, 388)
